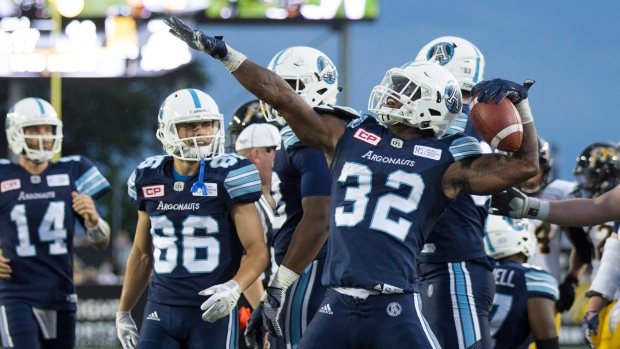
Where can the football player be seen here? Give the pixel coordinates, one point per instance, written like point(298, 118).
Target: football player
point(596, 172)
point(40, 202)
point(392, 177)
point(196, 216)
point(258, 142)
point(456, 275)
point(523, 306)
point(545, 187)
point(600, 323)
point(302, 185)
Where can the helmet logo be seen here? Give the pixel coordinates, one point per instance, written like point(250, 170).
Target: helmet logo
point(300, 61)
point(253, 109)
point(441, 53)
point(327, 70)
point(454, 100)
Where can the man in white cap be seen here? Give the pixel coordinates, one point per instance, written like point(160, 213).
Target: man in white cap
point(258, 142)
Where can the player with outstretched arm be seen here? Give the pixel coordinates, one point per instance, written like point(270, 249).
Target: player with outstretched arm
point(392, 178)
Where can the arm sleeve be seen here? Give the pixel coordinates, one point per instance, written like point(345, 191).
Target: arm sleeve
point(541, 284)
point(243, 183)
point(464, 147)
point(90, 181)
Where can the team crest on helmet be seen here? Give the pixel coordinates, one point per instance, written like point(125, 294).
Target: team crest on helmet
point(327, 69)
point(454, 99)
point(394, 309)
point(441, 52)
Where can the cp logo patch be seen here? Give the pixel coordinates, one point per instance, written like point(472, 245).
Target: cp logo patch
point(394, 309)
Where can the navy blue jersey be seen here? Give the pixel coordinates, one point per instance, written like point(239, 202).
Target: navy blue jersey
point(515, 284)
point(301, 172)
point(37, 224)
point(458, 234)
point(386, 196)
point(195, 242)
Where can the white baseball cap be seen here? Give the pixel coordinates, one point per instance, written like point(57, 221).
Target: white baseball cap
point(257, 136)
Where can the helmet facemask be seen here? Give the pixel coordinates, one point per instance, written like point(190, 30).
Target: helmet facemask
point(196, 147)
point(404, 98)
point(31, 112)
point(190, 106)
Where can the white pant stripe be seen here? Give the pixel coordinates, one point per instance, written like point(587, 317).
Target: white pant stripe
point(7, 340)
point(308, 294)
point(472, 302)
point(427, 331)
point(455, 309)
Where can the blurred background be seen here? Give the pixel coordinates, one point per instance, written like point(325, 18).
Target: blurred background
point(106, 66)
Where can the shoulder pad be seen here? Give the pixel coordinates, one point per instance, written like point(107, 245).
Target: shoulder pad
point(341, 112)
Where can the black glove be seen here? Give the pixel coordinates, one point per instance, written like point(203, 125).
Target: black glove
point(195, 39)
point(501, 88)
point(254, 330)
point(568, 288)
point(272, 308)
point(589, 328)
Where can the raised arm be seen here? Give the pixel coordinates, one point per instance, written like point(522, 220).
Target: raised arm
point(320, 131)
point(492, 173)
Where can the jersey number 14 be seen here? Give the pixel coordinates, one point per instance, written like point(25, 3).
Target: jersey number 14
point(52, 229)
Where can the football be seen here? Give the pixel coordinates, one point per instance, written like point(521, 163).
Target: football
point(498, 124)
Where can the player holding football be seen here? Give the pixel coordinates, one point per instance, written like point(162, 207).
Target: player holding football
point(196, 216)
point(40, 202)
point(391, 181)
point(302, 185)
point(456, 275)
point(523, 307)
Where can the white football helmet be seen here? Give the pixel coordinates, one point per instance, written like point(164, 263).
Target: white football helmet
point(505, 236)
point(427, 96)
point(33, 112)
point(185, 106)
point(310, 73)
point(459, 56)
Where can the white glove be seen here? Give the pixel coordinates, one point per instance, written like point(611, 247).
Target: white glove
point(515, 204)
point(126, 330)
point(223, 299)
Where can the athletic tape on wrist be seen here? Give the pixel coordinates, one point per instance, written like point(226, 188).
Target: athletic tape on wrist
point(99, 232)
point(284, 278)
point(233, 59)
point(525, 111)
